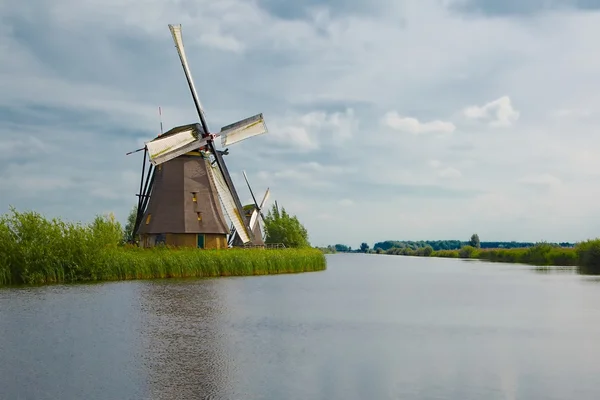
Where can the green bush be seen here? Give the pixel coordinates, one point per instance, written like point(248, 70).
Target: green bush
point(588, 254)
point(467, 252)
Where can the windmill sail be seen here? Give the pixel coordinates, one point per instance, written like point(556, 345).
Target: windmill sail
point(254, 218)
point(264, 200)
point(229, 203)
point(174, 143)
point(176, 33)
point(243, 129)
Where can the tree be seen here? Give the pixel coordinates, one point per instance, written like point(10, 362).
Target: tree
point(128, 232)
point(364, 247)
point(280, 227)
point(475, 241)
point(342, 248)
point(427, 251)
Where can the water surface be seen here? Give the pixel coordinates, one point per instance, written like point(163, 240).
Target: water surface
point(370, 327)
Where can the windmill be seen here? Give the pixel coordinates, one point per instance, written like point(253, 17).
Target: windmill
point(255, 215)
point(177, 203)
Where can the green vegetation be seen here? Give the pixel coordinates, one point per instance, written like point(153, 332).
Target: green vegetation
point(128, 232)
point(327, 250)
point(585, 255)
point(454, 244)
point(280, 227)
point(35, 250)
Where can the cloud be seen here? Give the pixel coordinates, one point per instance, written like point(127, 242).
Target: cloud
point(497, 113)
point(435, 163)
point(412, 125)
point(572, 113)
point(312, 130)
point(545, 180)
point(223, 42)
point(323, 75)
point(444, 172)
point(450, 172)
point(518, 7)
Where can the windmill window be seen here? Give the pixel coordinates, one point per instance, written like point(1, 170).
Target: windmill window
point(194, 199)
point(199, 216)
point(148, 219)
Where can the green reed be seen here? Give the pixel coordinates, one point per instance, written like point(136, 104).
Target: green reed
point(35, 250)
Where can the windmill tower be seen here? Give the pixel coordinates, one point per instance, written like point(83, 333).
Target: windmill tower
point(179, 197)
point(254, 214)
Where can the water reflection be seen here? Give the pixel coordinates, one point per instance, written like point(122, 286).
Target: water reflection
point(589, 270)
point(184, 354)
point(555, 270)
point(567, 270)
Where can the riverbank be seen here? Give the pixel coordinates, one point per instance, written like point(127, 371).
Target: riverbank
point(34, 250)
point(585, 255)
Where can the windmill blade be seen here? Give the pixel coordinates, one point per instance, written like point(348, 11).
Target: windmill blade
point(174, 143)
point(251, 193)
point(264, 233)
point(254, 218)
point(237, 219)
point(243, 129)
point(234, 196)
point(262, 204)
point(264, 200)
point(178, 39)
point(232, 236)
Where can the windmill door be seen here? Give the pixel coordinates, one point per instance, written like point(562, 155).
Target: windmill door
point(200, 241)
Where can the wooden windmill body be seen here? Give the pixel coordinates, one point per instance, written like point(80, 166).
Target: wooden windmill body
point(187, 186)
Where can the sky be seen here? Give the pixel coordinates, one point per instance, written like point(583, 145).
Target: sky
point(388, 119)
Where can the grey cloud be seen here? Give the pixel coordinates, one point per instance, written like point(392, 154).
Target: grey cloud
point(520, 7)
point(297, 10)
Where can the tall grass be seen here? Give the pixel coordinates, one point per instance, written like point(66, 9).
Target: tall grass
point(34, 250)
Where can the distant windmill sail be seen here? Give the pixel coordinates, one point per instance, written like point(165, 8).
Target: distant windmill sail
point(255, 216)
point(228, 203)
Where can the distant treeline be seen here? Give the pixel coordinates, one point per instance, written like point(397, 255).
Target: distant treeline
point(455, 244)
point(585, 255)
point(436, 245)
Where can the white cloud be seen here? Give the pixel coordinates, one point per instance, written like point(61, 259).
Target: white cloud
point(450, 172)
point(435, 163)
point(312, 130)
point(497, 113)
point(444, 172)
point(346, 202)
point(412, 125)
point(572, 113)
point(223, 42)
point(540, 180)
